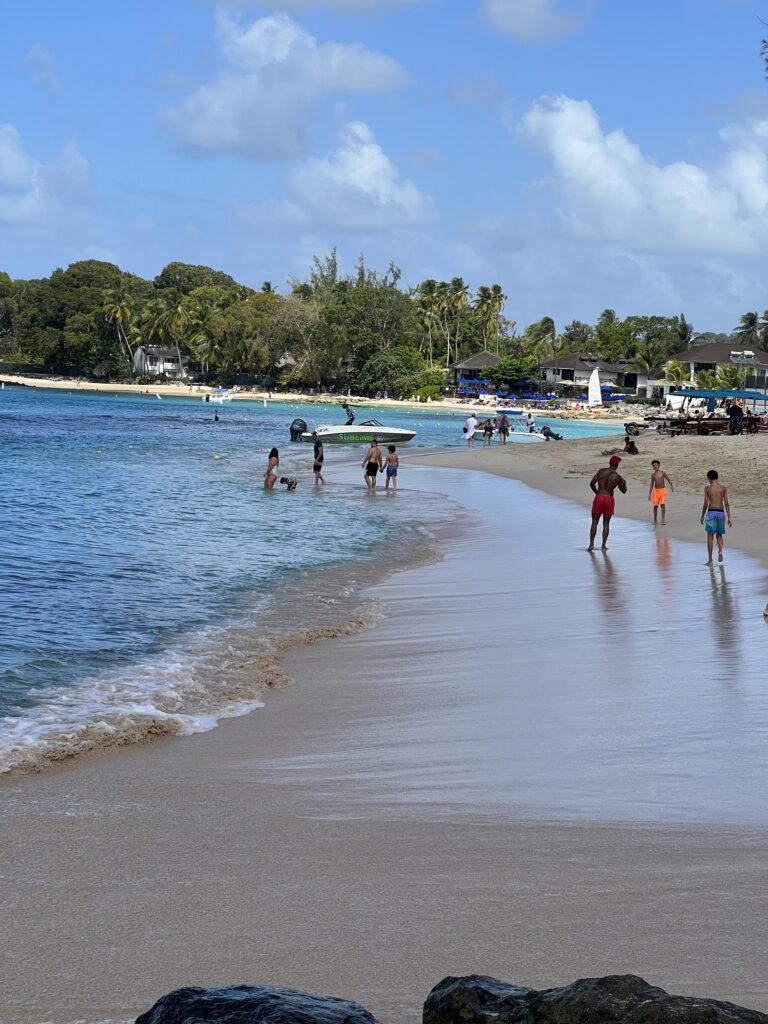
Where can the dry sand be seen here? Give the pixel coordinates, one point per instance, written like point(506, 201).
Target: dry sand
point(565, 468)
point(194, 391)
point(340, 840)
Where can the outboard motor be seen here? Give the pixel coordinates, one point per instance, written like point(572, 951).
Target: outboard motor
point(297, 428)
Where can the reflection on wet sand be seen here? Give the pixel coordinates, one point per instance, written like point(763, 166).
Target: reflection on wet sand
point(575, 688)
point(726, 626)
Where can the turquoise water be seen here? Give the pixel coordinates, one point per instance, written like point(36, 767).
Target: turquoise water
point(147, 573)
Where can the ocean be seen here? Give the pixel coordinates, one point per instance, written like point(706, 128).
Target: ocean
point(149, 580)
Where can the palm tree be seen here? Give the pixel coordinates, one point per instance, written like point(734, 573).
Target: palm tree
point(171, 320)
point(489, 303)
point(117, 311)
point(707, 379)
point(200, 335)
point(676, 372)
point(649, 359)
point(459, 302)
point(684, 330)
point(764, 329)
point(730, 376)
point(429, 299)
point(748, 330)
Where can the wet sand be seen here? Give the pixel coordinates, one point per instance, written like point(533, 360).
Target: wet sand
point(541, 765)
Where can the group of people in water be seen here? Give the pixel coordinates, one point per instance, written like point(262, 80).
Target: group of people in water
point(715, 512)
point(375, 462)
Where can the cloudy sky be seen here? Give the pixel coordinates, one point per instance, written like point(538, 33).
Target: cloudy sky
point(582, 153)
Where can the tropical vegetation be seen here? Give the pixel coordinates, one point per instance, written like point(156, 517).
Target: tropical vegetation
point(366, 330)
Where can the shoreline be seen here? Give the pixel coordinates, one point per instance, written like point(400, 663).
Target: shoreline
point(350, 823)
point(295, 397)
point(563, 470)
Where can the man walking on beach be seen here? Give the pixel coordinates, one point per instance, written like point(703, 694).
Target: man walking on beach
point(657, 492)
point(503, 428)
point(469, 429)
point(714, 513)
point(603, 484)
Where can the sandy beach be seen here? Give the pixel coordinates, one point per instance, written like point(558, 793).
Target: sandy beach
point(538, 765)
point(186, 391)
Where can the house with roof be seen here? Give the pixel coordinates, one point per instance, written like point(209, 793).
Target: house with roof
point(577, 367)
point(471, 371)
point(709, 357)
point(157, 360)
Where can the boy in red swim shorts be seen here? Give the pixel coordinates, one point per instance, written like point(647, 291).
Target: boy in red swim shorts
point(603, 484)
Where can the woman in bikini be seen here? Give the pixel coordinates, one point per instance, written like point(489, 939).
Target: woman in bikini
point(270, 475)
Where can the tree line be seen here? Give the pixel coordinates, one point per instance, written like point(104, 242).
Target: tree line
point(363, 330)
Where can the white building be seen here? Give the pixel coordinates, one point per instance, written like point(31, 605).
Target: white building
point(577, 368)
point(156, 360)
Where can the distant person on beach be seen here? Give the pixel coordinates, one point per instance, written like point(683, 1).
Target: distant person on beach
point(630, 448)
point(531, 423)
point(317, 465)
point(372, 464)
point(469, 430)
point(714, 514)
point(391, 464)
point(270, 475)
point(290, 482)
point(603, 484)
point(503, 428)
point(657, 492)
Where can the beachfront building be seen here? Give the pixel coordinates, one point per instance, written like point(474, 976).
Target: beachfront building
point(470, 374)
point(753, 361)
point(576, 368)
point(157, 360)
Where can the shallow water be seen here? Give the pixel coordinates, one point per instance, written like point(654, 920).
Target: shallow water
point(524, 676)
point(135, 533)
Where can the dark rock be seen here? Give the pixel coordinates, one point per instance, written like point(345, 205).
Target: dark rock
point(247, 1004)
point(618, 999)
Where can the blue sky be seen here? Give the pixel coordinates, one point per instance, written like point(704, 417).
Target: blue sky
point(582, 153)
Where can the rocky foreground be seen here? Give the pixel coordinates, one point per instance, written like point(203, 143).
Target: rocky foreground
point(617, 999)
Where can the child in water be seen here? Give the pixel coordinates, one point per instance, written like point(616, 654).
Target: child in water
point(391, 463)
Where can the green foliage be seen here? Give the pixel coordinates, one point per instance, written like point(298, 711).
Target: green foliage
point(676, 372)
point(185, 278)
point(707, 379)
point(364, 329)
point(512, 368)
point(731, 377)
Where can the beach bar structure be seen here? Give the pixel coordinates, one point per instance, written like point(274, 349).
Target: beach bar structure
point(469, 374)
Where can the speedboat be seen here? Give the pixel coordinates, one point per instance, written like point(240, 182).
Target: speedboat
point(519, 437)
point(220, 396)
point(360, 433)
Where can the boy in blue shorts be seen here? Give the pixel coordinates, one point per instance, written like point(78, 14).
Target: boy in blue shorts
point(714, 514)
point(391, 464)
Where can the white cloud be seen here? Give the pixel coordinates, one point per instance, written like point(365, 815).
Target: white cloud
point(357, 187)
point(261, 104)
point(346, 6)
point(40, 63)
point(535, 21)
point(32, 192)
point(609, 190)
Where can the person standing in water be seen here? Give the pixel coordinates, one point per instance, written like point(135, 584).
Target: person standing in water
point(714, 513)
point(503, 428)
point(270, 475)
point(469, 430)
point(390, 464)
point(657, 492)
point(317, 465)
point(603, 484)
point(372, 464)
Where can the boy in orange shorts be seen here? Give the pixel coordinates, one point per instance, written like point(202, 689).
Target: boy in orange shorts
point(657, 492)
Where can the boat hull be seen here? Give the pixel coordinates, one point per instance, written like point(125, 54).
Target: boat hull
point(361, 435)
point(518, 437)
